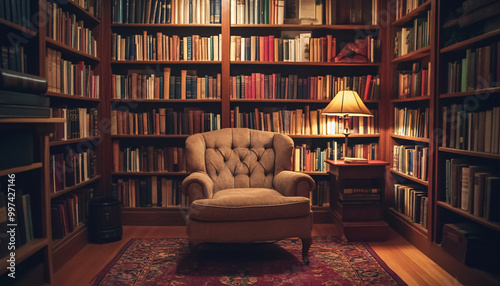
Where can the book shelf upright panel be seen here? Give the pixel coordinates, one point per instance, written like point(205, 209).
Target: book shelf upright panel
point(410, 146)
point(468, 112)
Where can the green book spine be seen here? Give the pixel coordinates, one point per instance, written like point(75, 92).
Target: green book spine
point(463, 86)
point(266, 11)
point(238, 86)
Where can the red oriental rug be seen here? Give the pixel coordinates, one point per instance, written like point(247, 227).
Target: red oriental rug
point(168, 262)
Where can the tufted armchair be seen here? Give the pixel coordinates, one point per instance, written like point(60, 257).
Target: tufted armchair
point(241, 189)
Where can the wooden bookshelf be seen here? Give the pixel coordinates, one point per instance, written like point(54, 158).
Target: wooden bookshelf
point(72, 97)
point(411, 99)
point(470, 153)
point(21, 169)
point(75, 187)
point(58, 243)
point(489, 224)
point(413, 14)
point(305, 27)
point(411, 138)
point(24, 252)
point(408, 221)
point(334, 136)
point(165, 136)
point(32, 120)
point(73, 141)
point(154, 62)
point(69, 51)
point(411, 178)
point(492, 90)
point(169, 100)
point(163, 26)
point(162, 173)
point(415, 55)
point(73, 7)
point(18, 28)
point(320, 64)
point(471, 42)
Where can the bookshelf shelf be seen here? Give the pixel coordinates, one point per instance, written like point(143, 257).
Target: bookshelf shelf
point(23, 252)
point(307, 27)
point(323, 64)
point(174, 26)
point(166, 62)
point(316, 173)
point(16, 27)
point(152, 209)
point(493, 225)
point(476, 16)
point(411, 178)
point(81, 12)
point(165, 136)
point(410, 138)
point(73, 141)
point(21, 169)
point(77, 186)
point(415, 55)
point(408, 221)
point(469, 93)
point(57, 243)
point(470, 42)
point(32, 120)
point(334, 136)
point(411, 99)
point(279, 101)
point(470, 153)
point(67, 50)
point(150, 174)
point(69, 96)
point(412, 15)
point(169, 100)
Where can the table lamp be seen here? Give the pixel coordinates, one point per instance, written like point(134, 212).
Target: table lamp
point(346, 103)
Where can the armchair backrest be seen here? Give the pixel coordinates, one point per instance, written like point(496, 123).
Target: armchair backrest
point(239, 157)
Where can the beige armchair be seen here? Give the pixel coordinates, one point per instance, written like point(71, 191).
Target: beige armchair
point(241, 189)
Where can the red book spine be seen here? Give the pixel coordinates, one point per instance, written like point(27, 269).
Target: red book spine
point(253, 86)
point(334, 48)
point(367, 88)
point(262, 86)
point(271, 48)
point(266, 49)
point(324, 49)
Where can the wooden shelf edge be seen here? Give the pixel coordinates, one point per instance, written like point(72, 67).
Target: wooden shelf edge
point(73, 141)
point(65, 48)
point(470, 42)
point(408, 17)
point(57, 243)
point(470, 153)
point(308, 27)
point(411, 138)
point(326, 64)
point(124, 136)
point(487, 223)
point(32, 120)
point(418, 227)
point(490, 90)
point(77, 186)
point(169, 100)
point(17, 27)
point(150, 173)
point(336, 136)
point(418, 54)
point(144, 25)
point(23, 252)
point(82, 11)
point(272, 100)
point(21, 169)
point(411, 99)
point(411, 178)
point(121, 62)
point(69, 96)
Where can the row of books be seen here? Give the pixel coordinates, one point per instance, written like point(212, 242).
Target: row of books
point(165, 48)
point(148, 159)
point(302, 122)
point(80, 123)
point(473, 188)
point(71, 168)
point(254, 12)
point(68, 212)
point(404, 7)
point(413, 83)
point(412, 160)
point(17, 12)
point(23, 221)
point(167, 11)
point(151, 191)
point(412, 202)
point(320, 196)
point(187, 86)
point(479, 69)
point(359, 195)
point(14, 58)
point(410, 39)
point(297, 47)
point(70, 78)
point(65, 28)
point(276, 86)
point(91, 6)
point(164, 121)
point(411, 122)
point(471, 131)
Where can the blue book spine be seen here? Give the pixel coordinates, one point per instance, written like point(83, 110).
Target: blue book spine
point(206, 86)
point(190, 11)
point(177, 87)
point(132, 50)
point(194, 87)
point(189, 48)
point(120, 12)
point(188, 87)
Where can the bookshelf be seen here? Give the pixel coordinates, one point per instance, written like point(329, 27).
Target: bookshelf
point(462, 81)
point(411, 70)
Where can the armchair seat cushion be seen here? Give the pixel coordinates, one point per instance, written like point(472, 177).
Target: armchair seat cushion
point(244, 204)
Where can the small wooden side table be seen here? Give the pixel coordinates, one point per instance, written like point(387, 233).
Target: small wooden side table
point(359, 218)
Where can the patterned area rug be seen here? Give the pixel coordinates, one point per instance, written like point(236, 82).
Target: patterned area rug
point(168, 262)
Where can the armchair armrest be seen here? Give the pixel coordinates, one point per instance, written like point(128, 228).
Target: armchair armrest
point(197, 185)
point(290, 183)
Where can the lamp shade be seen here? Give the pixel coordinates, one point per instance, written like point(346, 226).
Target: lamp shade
point(347, 102)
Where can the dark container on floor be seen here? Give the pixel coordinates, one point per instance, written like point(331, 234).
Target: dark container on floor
point(105, 222)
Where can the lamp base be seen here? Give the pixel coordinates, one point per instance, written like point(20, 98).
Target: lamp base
point(355, 160)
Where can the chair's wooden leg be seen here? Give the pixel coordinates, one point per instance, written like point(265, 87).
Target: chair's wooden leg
point(306, 244)
point(194, 252)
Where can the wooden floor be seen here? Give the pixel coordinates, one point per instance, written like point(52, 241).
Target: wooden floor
point(402, 257)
